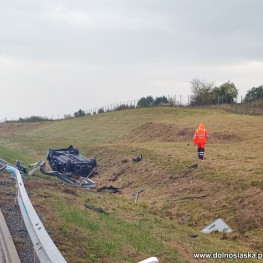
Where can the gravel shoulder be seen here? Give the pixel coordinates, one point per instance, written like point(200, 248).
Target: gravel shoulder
point(13, 219)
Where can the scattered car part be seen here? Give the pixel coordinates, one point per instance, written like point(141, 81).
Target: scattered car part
point(137, 159)
point(83, 182)
point(110, 189)
point(218, 225)
point(150, 260)
point(36, 167)
point(195, 165)
point(97, 209)
point(193, 235)
point(189, 198)
point(21, 168)
point(137, 195)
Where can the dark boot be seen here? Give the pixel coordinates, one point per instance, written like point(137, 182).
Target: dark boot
point(198, 153)
point(201, 153)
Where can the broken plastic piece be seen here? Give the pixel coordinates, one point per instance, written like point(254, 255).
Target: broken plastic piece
point(150, 260)
point(218, 225)
point(21, 168)
point(110, 189)
point(137, 159)
point(97, 209)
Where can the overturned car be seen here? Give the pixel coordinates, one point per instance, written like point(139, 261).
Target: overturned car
point(69, 160)
point(71, 166)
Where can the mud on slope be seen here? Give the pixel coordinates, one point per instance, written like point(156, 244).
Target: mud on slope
point(169, 132)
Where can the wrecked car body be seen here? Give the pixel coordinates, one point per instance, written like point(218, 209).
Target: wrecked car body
point(71, 167)
point(69, 160)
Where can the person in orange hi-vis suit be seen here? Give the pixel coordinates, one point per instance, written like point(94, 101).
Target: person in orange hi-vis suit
point(200, 138)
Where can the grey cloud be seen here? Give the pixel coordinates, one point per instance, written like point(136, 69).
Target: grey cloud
point(93, 30)
point(126, 47)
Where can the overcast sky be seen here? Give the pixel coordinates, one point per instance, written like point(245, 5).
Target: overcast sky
point(60, 56)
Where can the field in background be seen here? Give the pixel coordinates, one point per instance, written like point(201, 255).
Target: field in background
point(178, 200)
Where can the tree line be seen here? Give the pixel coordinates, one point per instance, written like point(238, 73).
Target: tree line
point(203, 93)
point(148, 101)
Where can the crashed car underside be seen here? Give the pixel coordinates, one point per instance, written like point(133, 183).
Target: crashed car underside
point(72, 166)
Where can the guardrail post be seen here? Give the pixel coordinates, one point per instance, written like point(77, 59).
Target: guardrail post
point(16, 201)
point(23, 226)
point(36, 260)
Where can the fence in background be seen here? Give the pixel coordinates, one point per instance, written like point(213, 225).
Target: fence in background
point(252, 108)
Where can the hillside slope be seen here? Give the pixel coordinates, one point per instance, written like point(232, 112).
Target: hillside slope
point(177, 200)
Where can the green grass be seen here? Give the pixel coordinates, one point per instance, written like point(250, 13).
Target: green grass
point(229, 178)
point(110, 234)
point(10, 155)
point(78, 218)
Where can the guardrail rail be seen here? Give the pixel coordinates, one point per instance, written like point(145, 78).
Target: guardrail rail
point(8, 252)
point(44, 247)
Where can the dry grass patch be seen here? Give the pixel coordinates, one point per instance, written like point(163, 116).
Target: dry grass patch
point(227, 184)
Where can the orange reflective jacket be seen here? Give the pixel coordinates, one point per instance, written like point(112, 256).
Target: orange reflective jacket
point(200, 135)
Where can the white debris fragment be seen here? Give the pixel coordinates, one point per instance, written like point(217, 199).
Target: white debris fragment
point(218, 225)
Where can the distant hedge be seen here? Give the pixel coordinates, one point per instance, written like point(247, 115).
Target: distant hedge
point(34, 119)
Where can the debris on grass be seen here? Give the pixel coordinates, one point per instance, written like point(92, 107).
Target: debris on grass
point(193, 235)
point(38, 166)
point(97, 209)
point(189, 198)
point(195, 165)
point(150, 260)
point(218, 225)
point(110, 189)
point(21, 168)
point(137, 159)
point(137, 195)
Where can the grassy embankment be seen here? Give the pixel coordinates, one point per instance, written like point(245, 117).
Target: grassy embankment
point(227, 184)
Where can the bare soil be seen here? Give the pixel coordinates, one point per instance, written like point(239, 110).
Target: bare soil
point(169, 132)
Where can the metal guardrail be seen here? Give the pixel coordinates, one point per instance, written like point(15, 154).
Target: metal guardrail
point(45, 249)
point(8, 250)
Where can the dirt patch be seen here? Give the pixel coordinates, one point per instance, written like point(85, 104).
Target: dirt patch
point(159, 131)
point(222, 136)
point(169, 132)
